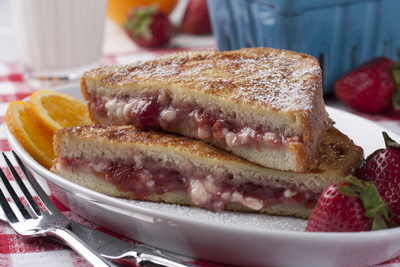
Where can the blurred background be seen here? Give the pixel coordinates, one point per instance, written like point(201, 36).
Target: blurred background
point(116, 41)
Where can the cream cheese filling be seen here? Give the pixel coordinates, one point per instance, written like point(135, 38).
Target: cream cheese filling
point(164, 114)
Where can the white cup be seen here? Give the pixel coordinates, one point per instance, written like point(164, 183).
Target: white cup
point(58, 39)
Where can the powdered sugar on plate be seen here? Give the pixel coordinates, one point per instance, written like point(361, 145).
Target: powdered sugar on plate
point(236, 219)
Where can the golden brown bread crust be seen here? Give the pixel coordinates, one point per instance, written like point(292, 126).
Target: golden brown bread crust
point(129, 134)
point(262, 78)
point(338, 156)
point(337, 153)
point(278, 88)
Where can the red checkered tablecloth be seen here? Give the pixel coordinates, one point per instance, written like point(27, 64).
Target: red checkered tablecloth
point(19, 251)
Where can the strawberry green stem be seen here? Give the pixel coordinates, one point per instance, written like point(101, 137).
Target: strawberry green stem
point(140, 22)
point(389, 143)
point(374, 207)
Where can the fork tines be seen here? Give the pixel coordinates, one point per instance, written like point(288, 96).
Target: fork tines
point(36, 222)
point(7, 209)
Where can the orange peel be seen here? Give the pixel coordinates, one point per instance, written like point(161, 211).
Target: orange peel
point(36, 140)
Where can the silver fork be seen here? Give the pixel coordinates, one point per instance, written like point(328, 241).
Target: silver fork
point(31, 220)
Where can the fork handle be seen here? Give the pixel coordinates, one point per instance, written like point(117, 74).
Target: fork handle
point(152, 256)
point(80, 247)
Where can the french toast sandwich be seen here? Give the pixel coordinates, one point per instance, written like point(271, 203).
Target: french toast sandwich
point(127, 162)
point(262, 104)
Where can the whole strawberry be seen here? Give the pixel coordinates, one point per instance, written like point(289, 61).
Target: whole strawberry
point(351, 205)
point(383, 167)
point(196, 19)
point(148, 26)
point(371, 87)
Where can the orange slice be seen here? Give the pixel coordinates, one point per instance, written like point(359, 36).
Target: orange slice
point(36, 140)
point(57, 110)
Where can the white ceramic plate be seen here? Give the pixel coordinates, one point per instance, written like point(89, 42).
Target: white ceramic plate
point(228, 237)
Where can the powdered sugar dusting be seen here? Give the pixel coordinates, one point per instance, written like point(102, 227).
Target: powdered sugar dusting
point(235, 219)
point(270, 78)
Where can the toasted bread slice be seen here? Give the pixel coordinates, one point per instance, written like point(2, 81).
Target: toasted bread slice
point(124, 161)
point(265, 105)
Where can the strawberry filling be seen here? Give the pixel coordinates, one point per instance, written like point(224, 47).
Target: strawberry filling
point(158, 111)
point(211, 190)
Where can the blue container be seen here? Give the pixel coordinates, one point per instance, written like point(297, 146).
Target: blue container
point(341, 34)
